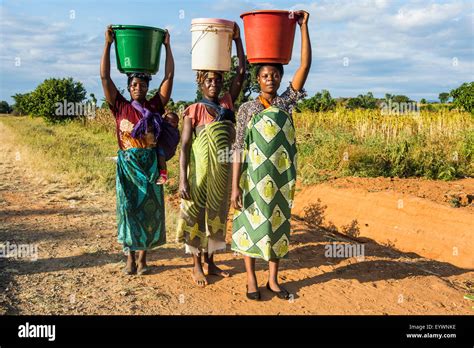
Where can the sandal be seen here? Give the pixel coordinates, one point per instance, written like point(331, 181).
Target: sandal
point(282, 294)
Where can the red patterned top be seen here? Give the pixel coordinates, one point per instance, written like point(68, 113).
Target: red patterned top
point(126, 116)
point(199, 114)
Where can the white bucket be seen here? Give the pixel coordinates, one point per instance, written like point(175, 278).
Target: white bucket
point(211, 44)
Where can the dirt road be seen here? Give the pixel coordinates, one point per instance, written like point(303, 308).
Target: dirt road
point(78, 270)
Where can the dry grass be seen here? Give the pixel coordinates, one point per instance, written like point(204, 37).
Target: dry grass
point(436, 145)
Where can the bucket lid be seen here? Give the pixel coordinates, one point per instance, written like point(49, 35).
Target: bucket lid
point(212, 21)
point(137, 27)
point(264, 11)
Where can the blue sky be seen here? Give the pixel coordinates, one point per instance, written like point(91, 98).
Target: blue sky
point(412, 47)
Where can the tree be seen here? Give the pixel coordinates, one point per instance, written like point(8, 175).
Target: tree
point(401, 99)
point(443, 97)
point(463, 97)
point(321, 101)
point(354, 103)
point(151, 93)
point(423, 101)
point(4, 107)
point(23, 104)
point(366, 101)
point(52, 92)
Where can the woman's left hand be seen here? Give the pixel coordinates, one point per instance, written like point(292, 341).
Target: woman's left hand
point(236, 35)
point(303, 17)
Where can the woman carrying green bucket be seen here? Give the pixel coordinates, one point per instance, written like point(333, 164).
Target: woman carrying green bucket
point(264, 169)
point(205, 169)
point(140, 200)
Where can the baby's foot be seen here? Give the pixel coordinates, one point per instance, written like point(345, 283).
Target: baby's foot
point(163, 177)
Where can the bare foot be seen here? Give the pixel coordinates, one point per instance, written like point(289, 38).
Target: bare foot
point(130, 268)
point(199, 277)
point(142, 268)
point(212, 269)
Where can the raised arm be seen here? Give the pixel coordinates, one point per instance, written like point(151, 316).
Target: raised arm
point(167, 84)
point(110, 91)
point(302, 73)
point(238, 80)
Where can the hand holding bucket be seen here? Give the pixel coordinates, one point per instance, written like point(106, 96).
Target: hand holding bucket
point(301, 17)
point(109, 35)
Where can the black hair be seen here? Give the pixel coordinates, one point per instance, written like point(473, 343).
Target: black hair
point(141, 76)
point(275, 65)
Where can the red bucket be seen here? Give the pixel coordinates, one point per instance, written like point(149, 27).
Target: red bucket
point(269, 35)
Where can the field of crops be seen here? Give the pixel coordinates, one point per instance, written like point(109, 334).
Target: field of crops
point(436, 145)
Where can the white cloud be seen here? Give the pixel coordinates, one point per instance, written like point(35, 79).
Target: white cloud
point(431, 14)
point(392, 46)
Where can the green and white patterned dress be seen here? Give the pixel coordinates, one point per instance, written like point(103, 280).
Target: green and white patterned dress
point(202, 224)
point(262, 228)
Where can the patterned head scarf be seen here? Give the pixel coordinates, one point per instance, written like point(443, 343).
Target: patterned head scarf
point(202, 75)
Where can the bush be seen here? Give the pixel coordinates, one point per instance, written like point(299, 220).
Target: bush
point(463, 97)
point(23, 105)
point(362, 102)
point(321, 101)
point(4, 107)
point(43, 100)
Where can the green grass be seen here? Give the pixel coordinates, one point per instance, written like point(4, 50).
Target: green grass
point(79, 154)
point(435, 145)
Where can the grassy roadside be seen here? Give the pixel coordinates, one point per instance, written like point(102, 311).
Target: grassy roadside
point(435, 145)
point(77, 154)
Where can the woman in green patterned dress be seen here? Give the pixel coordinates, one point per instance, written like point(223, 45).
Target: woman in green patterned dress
point(264, 169)
point(205, 168)
point(140, 200)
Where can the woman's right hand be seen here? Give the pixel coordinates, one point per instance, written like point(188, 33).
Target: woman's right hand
point(236, 198)
point(184, 189)
point(166, 40)
point(109, 34)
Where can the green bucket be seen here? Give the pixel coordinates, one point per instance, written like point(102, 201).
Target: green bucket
point(138, 48)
